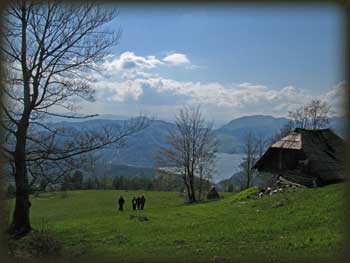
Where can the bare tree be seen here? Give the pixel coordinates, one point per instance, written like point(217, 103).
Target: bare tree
point(261, 143)
point(250, 157)
point(299, 118)
point(49, 51)
point(57, 157)
point(190, 146)
point(318, 112)
point(206, 163)
point(313, 115)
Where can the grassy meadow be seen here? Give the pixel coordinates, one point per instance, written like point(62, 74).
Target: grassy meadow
point(304, 224)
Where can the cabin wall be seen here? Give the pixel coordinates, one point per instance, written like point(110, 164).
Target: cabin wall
point(282, 159)
point(290, 159)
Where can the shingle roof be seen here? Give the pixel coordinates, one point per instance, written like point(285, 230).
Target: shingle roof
point(291, 141)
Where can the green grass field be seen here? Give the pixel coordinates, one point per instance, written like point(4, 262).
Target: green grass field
point(308, 224)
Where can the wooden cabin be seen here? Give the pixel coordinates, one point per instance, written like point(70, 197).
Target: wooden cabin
point(307, 157)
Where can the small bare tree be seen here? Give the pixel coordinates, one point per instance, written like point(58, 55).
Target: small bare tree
point(299, 117)
point(261, 144)
point(318, 112)
point(206, 164)
point(191, 146)
point(251, 152)
point(313, 115)
point(49, 51)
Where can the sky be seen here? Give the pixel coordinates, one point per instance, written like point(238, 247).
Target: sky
point(232, 60)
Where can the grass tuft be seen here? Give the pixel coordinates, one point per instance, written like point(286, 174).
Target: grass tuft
point(245, 194)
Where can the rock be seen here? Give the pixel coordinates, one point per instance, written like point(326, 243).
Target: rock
point(281, 202)
point(179, 243)
point(143, 218)
point(218, 259)
point(139, 217)
point(132, 216)
point(213, 194)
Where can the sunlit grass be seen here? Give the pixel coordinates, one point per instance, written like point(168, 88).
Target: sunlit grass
point(308, 225)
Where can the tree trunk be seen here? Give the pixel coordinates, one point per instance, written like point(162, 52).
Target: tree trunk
point(200, 182)
point(200, 189)
point(188, 191)
point(20, 221)
point(248, 181)
point(193, 195)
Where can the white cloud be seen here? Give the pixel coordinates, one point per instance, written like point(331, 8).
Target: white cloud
point(125, 78)
point(130, 66)
point(118, 91)
point(241, 96)
point(129, 61)
point(177, 59)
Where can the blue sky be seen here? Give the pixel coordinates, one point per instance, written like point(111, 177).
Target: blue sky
point(233, 60)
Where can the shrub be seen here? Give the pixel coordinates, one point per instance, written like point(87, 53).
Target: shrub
point(38, 243)
point(43, 244)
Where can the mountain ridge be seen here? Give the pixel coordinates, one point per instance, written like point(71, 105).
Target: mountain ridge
point(143, 146)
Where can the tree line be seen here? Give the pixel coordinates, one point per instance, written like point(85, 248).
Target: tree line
point(163, 181)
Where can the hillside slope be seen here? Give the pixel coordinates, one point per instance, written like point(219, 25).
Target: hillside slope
point(308, 224)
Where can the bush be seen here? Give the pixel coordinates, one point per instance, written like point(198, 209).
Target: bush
point(43, 244)
point(38, 243)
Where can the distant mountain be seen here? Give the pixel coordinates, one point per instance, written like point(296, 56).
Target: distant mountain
point(233, 134)
point(142, 147)
point(234, 180)
point(115, 170)
point(54, 119)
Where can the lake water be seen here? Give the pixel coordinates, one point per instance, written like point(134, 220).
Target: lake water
point(226, 165)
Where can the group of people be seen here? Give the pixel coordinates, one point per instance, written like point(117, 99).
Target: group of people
point(137, 203)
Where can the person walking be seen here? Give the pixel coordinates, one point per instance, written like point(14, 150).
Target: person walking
point(121, 202)
point(138, 203)
point(133, 202)
point(143, 200)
